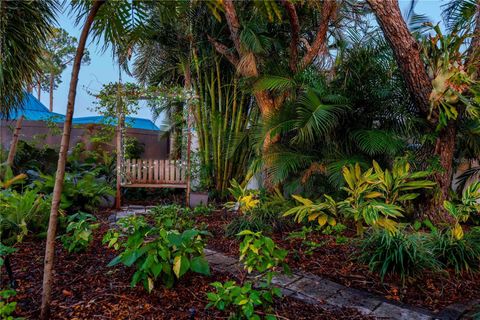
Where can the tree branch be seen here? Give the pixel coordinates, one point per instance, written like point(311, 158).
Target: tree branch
point(223, 50)
point(293, 17)
point(328, 11)
point(233, 24)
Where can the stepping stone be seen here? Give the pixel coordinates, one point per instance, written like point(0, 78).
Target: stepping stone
point(283, 281)
point(135, 207)
point(391, 311)
point(356, 299)
point(220, 259)
point(123, 214)
point(319, 289)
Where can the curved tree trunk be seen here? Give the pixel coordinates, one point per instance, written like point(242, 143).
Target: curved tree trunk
point(14, 143)
point(57, 190)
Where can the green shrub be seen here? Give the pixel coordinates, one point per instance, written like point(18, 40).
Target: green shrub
point(250, 222)
point(171, 217)
point(82, 192)
point(266, 218)
point(21, 213)
point(203, 210)
point(244, 299)
point(79, 232)
point(258, 253)
point(156, 252)
point(324, 212)
point(401, 253)
point(460, 252)
point(7, 308)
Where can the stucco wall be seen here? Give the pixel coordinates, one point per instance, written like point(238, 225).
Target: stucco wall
point(156, 146)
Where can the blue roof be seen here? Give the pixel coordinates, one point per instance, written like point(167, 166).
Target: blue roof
point(32, 109)
point(130, 122)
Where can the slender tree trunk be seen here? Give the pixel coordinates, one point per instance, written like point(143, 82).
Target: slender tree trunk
point(57, 190)
point(52, 78)
point(14, 143)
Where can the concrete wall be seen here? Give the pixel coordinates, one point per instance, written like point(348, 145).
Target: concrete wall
point(156, 146)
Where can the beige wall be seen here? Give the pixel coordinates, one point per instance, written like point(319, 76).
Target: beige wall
point(156, 146)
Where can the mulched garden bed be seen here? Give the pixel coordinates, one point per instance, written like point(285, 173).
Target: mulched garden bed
point(337, 262)
point(85, 288)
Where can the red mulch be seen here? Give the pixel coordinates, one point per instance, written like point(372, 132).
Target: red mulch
point(85, 288)
point(337, 262)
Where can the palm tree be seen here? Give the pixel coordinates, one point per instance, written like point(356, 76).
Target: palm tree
point(118, 24)
point(20, 46)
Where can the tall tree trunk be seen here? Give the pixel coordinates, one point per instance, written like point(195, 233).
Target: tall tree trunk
point(14, 143)
point(57, 190)
point(444, 150)
point(407, 55)
point(52, 78)
point(406, 51)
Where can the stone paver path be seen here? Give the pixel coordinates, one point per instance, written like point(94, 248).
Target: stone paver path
point(317, 290)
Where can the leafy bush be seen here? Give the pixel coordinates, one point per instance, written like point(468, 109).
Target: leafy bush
point(244, 298)
point(245, 199)
point(401, 253)
point(258, 253)
point(322, 212)
point(82, 192)
point(468, 207)
point(376, 196)
point(30, 157)
point(265, 217)
point(156, 252)
point(79, 232)
point(7, 308)
point(171, 217)
point(457, 250)
point(203, 210)
point(21, 213)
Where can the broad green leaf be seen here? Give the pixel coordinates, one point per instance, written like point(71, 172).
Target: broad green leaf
point(180, 265)
point(200, 265)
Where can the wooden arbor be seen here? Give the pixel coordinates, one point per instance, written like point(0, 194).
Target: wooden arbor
point(151, 173)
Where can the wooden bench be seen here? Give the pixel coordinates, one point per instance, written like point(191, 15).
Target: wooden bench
point(153, 173)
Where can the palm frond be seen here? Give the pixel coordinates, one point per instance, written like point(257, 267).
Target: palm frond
point(24, 28)
point(376, 142)
point(459, 14)
point(471, 174)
